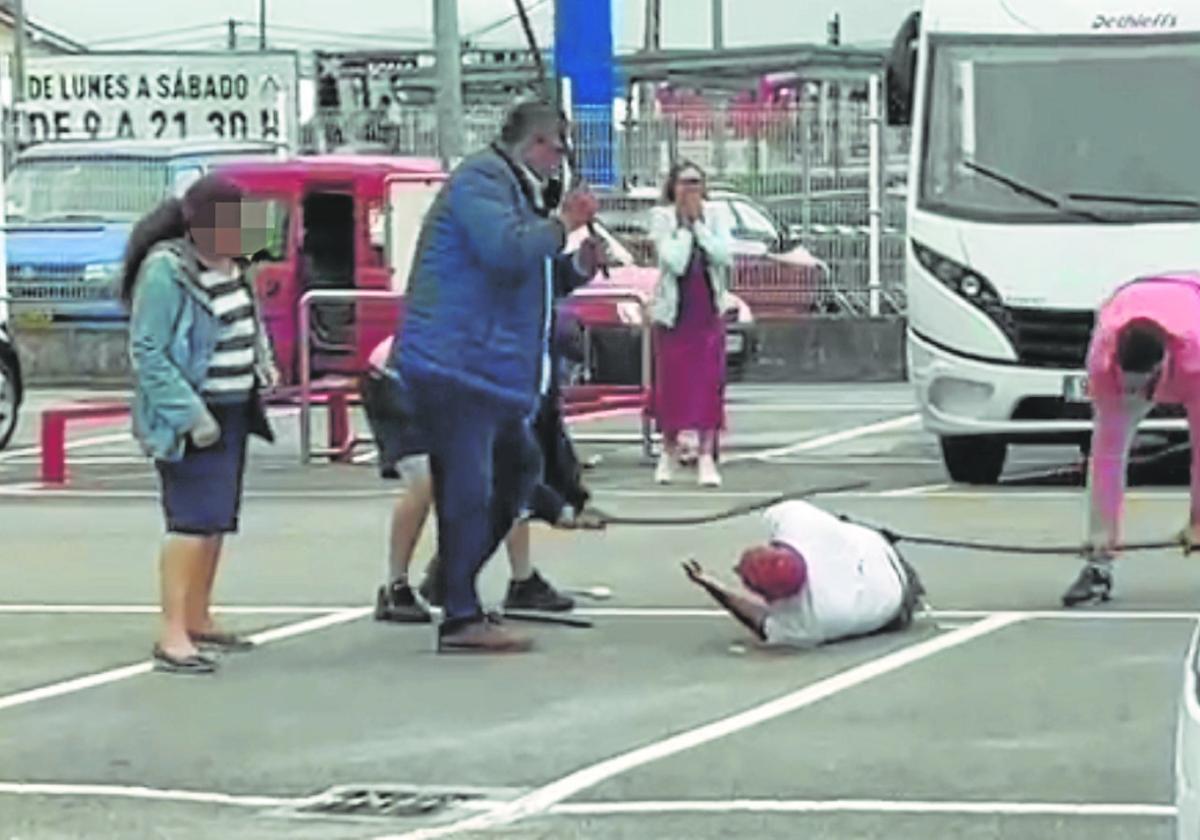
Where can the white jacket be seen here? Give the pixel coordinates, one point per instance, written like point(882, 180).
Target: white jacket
point(713, 234)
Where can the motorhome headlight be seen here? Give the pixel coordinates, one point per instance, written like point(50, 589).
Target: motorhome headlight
point(101, 272)
point(967, 284)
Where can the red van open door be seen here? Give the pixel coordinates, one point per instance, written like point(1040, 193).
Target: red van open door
point(408, 199)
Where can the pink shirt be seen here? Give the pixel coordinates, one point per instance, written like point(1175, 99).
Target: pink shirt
point(1172, 302)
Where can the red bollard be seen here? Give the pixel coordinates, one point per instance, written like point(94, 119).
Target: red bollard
point(54, 448)
point(338, 408)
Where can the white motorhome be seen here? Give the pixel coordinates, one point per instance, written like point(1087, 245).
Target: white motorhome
point(1054, 158)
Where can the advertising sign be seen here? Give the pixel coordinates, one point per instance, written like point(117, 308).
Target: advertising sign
point(168, 96)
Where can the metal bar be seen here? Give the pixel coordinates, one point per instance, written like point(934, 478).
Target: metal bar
point(19, 49)
point(647, 366)
point(875, 190)
point(305, 319)
point(318, 295)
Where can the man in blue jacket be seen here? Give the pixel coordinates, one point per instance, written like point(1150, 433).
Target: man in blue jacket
point(474, 347)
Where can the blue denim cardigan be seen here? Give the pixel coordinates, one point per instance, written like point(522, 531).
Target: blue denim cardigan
point(173, 334)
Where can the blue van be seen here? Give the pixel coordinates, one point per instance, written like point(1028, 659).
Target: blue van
point(70, 208)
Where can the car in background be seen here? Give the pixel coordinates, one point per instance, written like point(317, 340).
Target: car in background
point(11, 386)
point(615, 326)
point(71, 206)
point(1187, 747)
point(772, 272)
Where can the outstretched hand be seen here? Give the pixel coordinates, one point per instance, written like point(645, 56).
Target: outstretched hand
point(694, 571)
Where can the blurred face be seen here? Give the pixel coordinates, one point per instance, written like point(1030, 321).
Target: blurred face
point(256, 227)
point(220, 237)
point(689, 186)
point(544, 152)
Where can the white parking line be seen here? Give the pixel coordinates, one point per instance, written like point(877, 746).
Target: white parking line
point(35, 490)
point(817, 408)
point(93, 460)
point(147, 793)
point(154, 609)
point(546, 797)
point(611, 809)
point(919, 490)
point(889, 425)
point(81, 443)
point(203, 797)
point(602, 612)
point(47, 692)
point(864, 806)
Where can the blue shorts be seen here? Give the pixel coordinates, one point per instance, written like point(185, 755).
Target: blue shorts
point(392, 418)
point(202, 494)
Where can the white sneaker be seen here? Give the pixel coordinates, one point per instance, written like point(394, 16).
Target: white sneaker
point(709, 477)
point(665, 471)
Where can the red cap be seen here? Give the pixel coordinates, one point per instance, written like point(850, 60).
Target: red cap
point(774, 571)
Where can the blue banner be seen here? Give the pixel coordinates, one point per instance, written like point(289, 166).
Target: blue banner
point(584, 52)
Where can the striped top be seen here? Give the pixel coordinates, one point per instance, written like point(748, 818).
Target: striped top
point(231, 372)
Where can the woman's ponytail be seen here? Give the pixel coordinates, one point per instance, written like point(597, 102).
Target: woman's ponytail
point(166, 221)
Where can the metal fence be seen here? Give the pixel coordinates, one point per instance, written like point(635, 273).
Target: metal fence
point(805, 169)
point(807, 166)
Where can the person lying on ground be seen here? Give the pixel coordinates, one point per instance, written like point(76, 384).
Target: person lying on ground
point(817, 579)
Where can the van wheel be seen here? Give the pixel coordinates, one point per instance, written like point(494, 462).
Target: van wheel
point(974, 459)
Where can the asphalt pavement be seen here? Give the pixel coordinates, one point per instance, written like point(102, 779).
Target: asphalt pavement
point(998, 715)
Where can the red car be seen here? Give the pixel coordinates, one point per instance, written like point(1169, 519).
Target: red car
point(778, 278)
point(613, 310)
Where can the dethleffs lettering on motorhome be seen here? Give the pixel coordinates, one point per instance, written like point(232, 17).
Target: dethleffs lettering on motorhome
point(148, 96)
point(1163, 20)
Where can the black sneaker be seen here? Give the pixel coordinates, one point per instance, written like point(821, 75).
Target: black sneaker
point(1094, 585)
point(396, 603)
point(536, 594)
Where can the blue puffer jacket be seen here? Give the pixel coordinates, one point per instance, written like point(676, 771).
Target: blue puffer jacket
point(476, 311)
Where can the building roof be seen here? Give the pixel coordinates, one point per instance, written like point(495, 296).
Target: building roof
point(147, 149)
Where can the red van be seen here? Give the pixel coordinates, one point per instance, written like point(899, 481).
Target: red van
point(339, 223)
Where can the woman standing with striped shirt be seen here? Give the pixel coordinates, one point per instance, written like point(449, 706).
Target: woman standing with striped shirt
point(199, 356)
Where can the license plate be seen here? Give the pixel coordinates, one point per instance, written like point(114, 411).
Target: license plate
point(734, 342)
point(1075, 388)
point(32, 318)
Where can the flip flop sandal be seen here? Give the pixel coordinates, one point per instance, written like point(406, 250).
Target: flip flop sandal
point(222, 641)
point(194, 664)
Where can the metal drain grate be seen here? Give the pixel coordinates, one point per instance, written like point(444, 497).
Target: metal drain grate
point(384, 802)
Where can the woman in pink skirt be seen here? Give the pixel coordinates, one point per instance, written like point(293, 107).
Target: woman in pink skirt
point(694, 242)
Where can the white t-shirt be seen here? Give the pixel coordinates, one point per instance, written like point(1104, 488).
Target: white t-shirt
point(853, 585)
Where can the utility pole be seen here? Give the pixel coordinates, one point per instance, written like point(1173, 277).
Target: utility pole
point(262, 25)
point(718, 24)
point(449, 75)
point(19, 53)
point(652, 42)
point(232, 34)
point(653, 29)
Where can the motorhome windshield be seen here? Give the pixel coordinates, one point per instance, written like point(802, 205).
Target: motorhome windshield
point(1105, 128)
point(84, 190)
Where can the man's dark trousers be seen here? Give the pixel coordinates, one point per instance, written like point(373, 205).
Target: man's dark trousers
point(480, 459)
